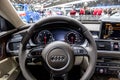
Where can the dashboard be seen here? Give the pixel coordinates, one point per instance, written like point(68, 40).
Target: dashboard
point(45, 36)
point(107, 41)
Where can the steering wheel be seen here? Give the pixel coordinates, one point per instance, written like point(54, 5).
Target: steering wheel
point(58, 55)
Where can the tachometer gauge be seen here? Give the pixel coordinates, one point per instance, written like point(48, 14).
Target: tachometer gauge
point(74, 37)
point(44, 37)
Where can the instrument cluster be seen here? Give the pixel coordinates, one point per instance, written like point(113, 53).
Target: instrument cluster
point(44, 37)
point(47, 36)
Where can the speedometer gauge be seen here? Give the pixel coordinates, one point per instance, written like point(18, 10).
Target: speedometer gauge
point(74, 37)
point(44, 37)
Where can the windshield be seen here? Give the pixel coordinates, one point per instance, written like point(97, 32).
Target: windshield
point(84, 10)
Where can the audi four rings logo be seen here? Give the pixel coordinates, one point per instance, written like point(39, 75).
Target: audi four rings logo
point(59, 58)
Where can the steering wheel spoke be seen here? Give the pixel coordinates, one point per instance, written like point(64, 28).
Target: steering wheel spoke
point(33, 55)
point(80, 51)
point(35, 52)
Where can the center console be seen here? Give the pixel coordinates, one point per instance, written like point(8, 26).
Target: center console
point(108, 48)
point(109, 57)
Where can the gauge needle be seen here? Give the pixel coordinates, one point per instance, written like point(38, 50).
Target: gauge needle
point(45, 40)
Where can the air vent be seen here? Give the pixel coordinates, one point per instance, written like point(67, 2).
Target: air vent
point(14, 46)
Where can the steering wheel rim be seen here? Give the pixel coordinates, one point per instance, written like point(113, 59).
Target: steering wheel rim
point(91, 49)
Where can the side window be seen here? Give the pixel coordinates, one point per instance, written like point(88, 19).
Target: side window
point(5, 25)
point(2, 24)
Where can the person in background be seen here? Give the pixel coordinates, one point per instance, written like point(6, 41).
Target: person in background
point(99, 12)
point(82, 11)
point(87, 11)
point(95, 12)
point(73, 13)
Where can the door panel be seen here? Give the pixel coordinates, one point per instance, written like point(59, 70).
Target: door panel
point(8, 69)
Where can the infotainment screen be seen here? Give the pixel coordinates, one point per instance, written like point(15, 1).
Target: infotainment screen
point(110, 30)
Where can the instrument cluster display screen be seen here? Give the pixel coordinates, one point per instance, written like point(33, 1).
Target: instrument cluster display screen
point(110, 30)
